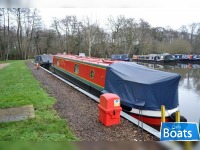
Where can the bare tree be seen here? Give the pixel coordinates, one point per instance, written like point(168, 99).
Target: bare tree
point(3, 34)
point(184, 32)
point(32, 23)
point(18, 12)
point(56, 26)
point(90, 31)
point(22, 36)
point(131, 34)
point(117, 26)
point(193, 28)
point(71, 28)
point(144, 38)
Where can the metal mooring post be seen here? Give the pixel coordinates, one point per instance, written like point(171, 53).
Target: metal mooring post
point(178, 116)
point(140, 120)
point(187, 144)
point(163, 113)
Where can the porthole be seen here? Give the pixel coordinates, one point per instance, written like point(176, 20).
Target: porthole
point(92, 74)
point(76, 68)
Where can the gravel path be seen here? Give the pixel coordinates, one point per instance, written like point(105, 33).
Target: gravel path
point(81, 113)
point(4, 65)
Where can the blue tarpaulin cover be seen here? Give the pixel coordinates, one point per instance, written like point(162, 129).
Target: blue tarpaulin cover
point(137, 85)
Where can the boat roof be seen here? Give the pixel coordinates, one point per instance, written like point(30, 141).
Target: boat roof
point(91, 60)
point(136, 84)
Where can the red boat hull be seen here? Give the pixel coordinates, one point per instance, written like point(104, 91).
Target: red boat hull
point(151, 121)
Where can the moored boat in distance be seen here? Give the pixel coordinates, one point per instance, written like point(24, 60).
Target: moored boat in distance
point(146, 58)
point(44, 60)
point(142, 90)
point(194, 58)
point(181, 57)
point(184, 58)
point(166, 57)
point(154, 58)
point(122, 57)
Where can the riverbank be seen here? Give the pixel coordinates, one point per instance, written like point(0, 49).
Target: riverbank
point(52, 100)
point(19, 88)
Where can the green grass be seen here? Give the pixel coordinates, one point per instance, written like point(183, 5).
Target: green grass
point(8, 61)
point(17, 88)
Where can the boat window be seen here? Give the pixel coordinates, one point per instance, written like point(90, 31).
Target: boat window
point(92, 74)
point(37, 58)
point(58, 62)
point(76, 68)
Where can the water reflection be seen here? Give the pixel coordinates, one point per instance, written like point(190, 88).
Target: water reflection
point(171, 66)
point(189, 87)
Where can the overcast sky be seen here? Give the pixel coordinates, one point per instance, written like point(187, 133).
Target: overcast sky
point(173, 13)
point(173, 17)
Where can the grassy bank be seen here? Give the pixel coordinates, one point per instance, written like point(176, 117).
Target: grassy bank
point(17, 88)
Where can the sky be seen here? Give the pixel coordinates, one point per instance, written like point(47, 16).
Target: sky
point(173, 13)
point(173, 17)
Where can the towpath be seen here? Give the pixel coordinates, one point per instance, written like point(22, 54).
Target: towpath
point(4, 65)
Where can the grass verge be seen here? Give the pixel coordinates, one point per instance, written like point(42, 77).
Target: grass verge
point(17, 88)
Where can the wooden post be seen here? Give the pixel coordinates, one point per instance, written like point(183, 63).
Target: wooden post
point(163, 113)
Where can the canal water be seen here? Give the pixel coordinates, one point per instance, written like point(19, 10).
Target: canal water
point(189, 88)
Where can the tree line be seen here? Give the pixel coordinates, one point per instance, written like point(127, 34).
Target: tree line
point(23, 35)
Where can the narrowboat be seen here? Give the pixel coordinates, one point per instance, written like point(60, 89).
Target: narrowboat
point(151, 58)
point(166, 57)
point(142, 90)
point(181, 57)
point(44, 60)
point(122, 57)
point(184, 58)
point(135, 57)
point(154, 58)
point(194, 58)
